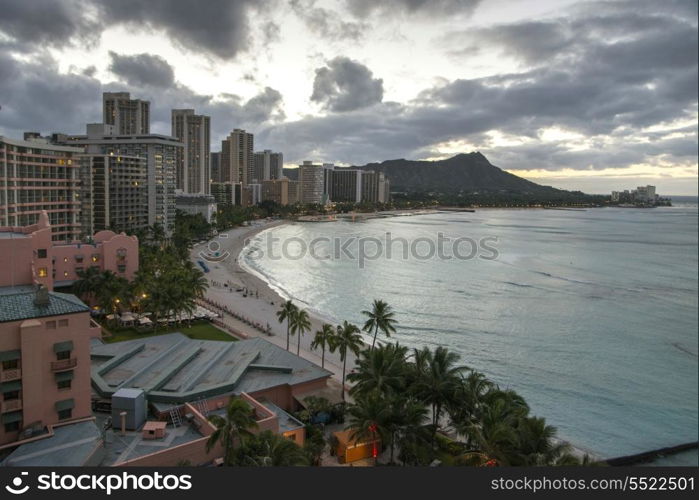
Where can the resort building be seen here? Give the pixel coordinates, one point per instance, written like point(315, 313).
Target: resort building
point(343, 185)
point(192, 163)
point(282, 191)
point(311, 183)
point(114, 192)
point(227, 193)
point(160, 153)
point(237, 160)
point(204, 204)
point(127, 116)
point(32, 258)
point(268, 165)
point(37, 176)
point(375, 187)
point(215, 175)
point(44, 361)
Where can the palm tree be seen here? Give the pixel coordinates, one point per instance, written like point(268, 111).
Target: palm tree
point(407, 423)
point(322, 339)
point(88, 283)
point(300, 324)
point(287, 312)
point(436, 380)
point(268, 449)
point(370, 418)
point(382, 370)
point(347, 339)
point(379, 318)
point(235, 427)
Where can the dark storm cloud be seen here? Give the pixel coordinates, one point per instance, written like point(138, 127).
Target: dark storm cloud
point(41, 22)
point(220, 28)
point(346, 85)
point(364, 8)
point(326, 23)
point(217, 27)
point(142, 69)
point(35, 95)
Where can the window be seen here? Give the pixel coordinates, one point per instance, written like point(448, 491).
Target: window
point(41, 253)
point(42, 272)
point(64, 414)
point(78, 270)
point(78, 258)
point(121, 268)
point(62, 322)
point(12, 426)
point(10, 395)
point(62, 355)
point(11, 364)
point(63, 384)
point(50, 325)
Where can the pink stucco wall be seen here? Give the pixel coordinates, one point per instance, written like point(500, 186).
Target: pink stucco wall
point(21, 246)
point(35, 338)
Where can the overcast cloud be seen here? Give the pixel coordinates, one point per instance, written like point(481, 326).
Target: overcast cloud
point(591, 86)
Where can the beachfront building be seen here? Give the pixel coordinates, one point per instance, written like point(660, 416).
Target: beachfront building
point(160, 153)
point(268, 165)
point(227, 193)
point(32, 258)
point(44, 368)
point(204, 204)
point(37, 176)
point(311, 183)
point(127, 116)
point(281, 191)
point(237, 159)
point(343, 185)
point(215, 172)
point(113, 193)
point(375, 187)
point(192, 163)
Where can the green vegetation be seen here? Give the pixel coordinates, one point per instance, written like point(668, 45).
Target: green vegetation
point(232, 430)
point(198, 330)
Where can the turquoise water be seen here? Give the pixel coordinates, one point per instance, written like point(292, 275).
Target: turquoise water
point(591, 315)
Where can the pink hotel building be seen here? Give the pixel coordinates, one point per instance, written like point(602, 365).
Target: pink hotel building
point(45, 335)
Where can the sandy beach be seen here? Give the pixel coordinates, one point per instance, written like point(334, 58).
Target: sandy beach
point(228, 282)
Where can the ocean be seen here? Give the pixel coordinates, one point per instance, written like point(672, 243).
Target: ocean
point(591, 315)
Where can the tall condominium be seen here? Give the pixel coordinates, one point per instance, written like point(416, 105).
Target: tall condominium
point(268, 165)
point(36, 175)
point(281, 191)
point(114, 192)
point(160, 153)
point(128, 116)
point(375, 187)
point(344, 185)
point(192, 171)
point(311, 183)
point(215, 175)
point(237, 159)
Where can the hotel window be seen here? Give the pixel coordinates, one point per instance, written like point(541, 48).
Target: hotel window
point(50, 325)
point(121, 268)
point(64, 414)
point(64, 408)
point(61, 355)
point(78, 258)
point(41, 253)
point(10, 395)
point(10, 364)
point(13, 426)
point(64, 380)
point(62, 322)
point(42, 272)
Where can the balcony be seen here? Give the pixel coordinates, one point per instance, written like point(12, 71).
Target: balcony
point(11, 405)
point(64, 364)
point(11, 374)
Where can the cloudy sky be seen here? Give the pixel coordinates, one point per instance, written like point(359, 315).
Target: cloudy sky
point(590, 95)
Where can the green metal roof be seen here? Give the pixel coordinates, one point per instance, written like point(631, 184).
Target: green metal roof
point(20, 305)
